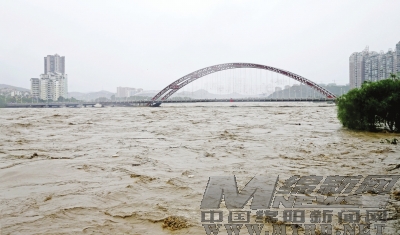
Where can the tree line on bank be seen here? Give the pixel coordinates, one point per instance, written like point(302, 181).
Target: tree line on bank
point(373, 107)
point(18, 99)
point(13, 99)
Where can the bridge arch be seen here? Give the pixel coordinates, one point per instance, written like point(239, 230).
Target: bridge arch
point(183, 81)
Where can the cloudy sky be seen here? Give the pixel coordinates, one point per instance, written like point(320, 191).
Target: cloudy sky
point(149, 44)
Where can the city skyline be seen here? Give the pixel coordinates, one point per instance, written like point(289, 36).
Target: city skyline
point(53, 83)
point(148, 45)
point(373, 66)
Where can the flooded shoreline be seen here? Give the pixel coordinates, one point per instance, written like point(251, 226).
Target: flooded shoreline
point(124, 170)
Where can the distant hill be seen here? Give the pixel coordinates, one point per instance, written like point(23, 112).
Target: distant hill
point(304, 91)
point(148, 93)
point(91, 95)
point(13, 87)
point(203, 94)
point(198, 94)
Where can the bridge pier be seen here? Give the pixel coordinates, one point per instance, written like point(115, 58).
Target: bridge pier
point(155, 104)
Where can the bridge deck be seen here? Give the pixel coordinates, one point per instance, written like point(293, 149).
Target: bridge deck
point(145, 102)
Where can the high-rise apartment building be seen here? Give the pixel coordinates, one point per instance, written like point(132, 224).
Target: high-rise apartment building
point(53, 84)
point(398, 56)
point(372, 66)
point(357, 68)
point(35, 87)
point(54, 64)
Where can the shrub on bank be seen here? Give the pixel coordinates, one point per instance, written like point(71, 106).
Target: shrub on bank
point(374, 106)
point(2, 102)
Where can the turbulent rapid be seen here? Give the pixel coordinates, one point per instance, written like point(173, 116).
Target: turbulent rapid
point(125, 170)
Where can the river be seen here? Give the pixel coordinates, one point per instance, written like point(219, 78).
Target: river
point(124, 170)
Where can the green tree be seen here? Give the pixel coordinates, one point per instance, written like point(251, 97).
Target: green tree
point(376, 105)
point(2, 101)
point(393, 76)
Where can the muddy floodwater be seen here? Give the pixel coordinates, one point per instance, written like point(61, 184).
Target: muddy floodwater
point(125, 170)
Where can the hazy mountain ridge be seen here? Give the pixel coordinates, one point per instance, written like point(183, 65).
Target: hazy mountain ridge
point(198, 94)
point(204, 94)
point(305, 91)
point(90, 95)
point(13, 87)
point(293, 91)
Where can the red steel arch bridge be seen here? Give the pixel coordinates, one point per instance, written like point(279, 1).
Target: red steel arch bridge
point(175, 86)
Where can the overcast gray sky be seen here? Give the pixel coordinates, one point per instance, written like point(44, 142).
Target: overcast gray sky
point(149, 44)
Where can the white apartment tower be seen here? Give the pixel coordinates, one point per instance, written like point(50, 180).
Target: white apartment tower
point(53, 84)
point(357, 68)
point(398, 56)
point(35, 87)
point(372, 66)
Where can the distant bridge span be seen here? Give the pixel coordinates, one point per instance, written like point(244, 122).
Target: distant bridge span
point(183, 81)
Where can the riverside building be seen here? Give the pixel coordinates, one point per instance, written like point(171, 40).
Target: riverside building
point(372, 66)
point(127, 91)
point(398, 56)
point(35, 87)
point(53, 84)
